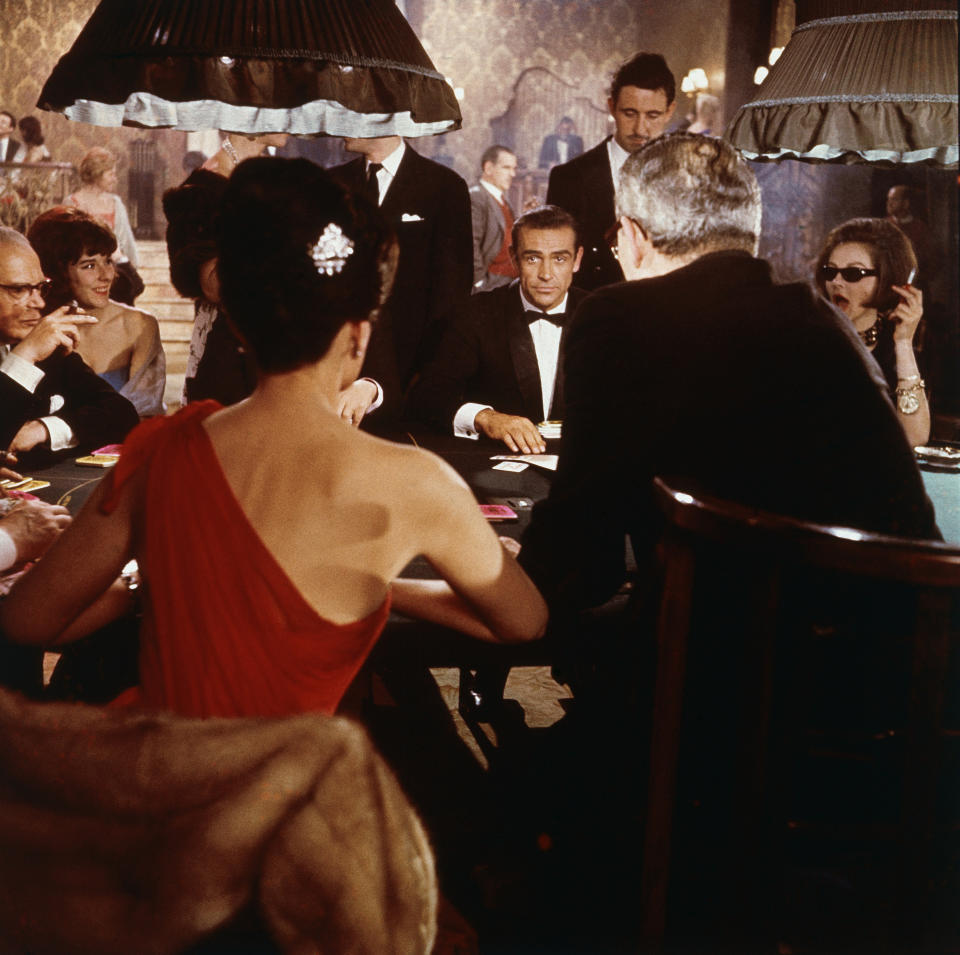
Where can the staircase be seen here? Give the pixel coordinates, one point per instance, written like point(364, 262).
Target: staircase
point(175, 314)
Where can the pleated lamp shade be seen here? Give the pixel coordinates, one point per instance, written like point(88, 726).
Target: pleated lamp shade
point(340, 67)
point(859, 81)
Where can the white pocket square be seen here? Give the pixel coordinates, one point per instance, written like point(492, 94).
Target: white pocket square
point(411, 217)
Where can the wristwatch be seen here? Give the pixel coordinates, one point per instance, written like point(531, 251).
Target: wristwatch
point(908, 395)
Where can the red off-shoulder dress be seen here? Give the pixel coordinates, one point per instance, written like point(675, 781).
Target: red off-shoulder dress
point(225, 631)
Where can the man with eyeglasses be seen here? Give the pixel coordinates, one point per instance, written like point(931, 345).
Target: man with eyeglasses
point(50, 401)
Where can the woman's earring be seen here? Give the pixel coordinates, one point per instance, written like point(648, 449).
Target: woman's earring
point(357, 350)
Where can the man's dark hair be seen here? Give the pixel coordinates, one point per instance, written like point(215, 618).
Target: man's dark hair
point(492, 154)
point(545, 217)
point(648, 71)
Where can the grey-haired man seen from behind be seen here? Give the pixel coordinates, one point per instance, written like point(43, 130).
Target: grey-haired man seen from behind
point(701, 368)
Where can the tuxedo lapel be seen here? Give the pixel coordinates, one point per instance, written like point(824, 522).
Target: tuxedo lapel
point(524, 358)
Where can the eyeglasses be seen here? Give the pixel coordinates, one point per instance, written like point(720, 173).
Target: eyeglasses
point(851, 274)
point(20, 293)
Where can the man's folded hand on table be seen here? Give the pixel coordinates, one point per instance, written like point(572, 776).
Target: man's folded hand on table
point(519, 434)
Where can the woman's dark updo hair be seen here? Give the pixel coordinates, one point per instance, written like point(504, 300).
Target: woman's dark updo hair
point(892, 253)
point(273, 213)
point(62, 236)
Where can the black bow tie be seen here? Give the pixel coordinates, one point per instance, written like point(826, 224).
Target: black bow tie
point(557, 318)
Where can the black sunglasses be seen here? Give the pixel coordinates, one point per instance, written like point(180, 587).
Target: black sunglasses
point(851, 274)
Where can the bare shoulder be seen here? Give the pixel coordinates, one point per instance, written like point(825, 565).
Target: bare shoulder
point(136, 320)
point(417, 477)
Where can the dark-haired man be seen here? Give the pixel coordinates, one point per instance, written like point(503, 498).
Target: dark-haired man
point(497, 370)
point(642, 100)
point(492, 220)
point(428, 207)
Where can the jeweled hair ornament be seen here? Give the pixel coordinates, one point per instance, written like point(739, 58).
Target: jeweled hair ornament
point(330, 251)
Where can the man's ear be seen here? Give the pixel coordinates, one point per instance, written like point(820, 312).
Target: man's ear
point(633, 246)
point(576, 261)
point(611, 106)
point(669, 110)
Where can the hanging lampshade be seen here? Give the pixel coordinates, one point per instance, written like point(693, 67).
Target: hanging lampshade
point(859, 81)
point(340, 67)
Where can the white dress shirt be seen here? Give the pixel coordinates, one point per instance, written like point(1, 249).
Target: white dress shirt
point(546, 344)
point(617, 156)
point(388, 170)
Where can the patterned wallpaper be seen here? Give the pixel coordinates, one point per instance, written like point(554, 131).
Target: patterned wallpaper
point(35, 34)
point(485, 45)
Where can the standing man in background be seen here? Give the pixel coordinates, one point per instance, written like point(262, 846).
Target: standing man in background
point(493, 220)
point(642, 100)
point(428, 207)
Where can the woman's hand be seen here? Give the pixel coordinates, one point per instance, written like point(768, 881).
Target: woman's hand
point(908, 312)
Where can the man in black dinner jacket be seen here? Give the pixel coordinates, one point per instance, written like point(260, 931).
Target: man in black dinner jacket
point(429, 209)
point(701, 369)
point(50, 401)
point(497, 370)
point(642, 100)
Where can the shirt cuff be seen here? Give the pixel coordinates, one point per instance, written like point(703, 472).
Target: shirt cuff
point(8, 551)
point(463, 420)
point(23, 372)
point(379, 399)
point(61, 434)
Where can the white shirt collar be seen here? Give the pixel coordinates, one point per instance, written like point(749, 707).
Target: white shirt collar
point(528, 306)
point(392, 162)
point(617, 156)
point(493, 190)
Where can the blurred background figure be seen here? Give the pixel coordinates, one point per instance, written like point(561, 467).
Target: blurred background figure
point(96, 197)
point(8, 145)
point(76, 252)
point(33, 148)
point(560, 146)
point(900, 212)
point(709, 116)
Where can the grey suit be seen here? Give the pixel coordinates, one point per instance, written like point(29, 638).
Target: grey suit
point(489, 229)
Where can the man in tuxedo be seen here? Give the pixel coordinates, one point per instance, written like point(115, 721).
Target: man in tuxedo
point(642, 100)
point(8, 145)
point(700, 368)
point(561, 146)
point(429, 209)
point(497, 370)
point(50, 401)
point(492, 220)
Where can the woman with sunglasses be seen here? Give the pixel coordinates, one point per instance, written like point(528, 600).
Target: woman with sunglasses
point(866, 269)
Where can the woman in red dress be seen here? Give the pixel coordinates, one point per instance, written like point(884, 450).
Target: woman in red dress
point(270, 534)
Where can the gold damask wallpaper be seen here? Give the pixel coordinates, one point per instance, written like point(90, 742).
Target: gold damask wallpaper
point(34, 34)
